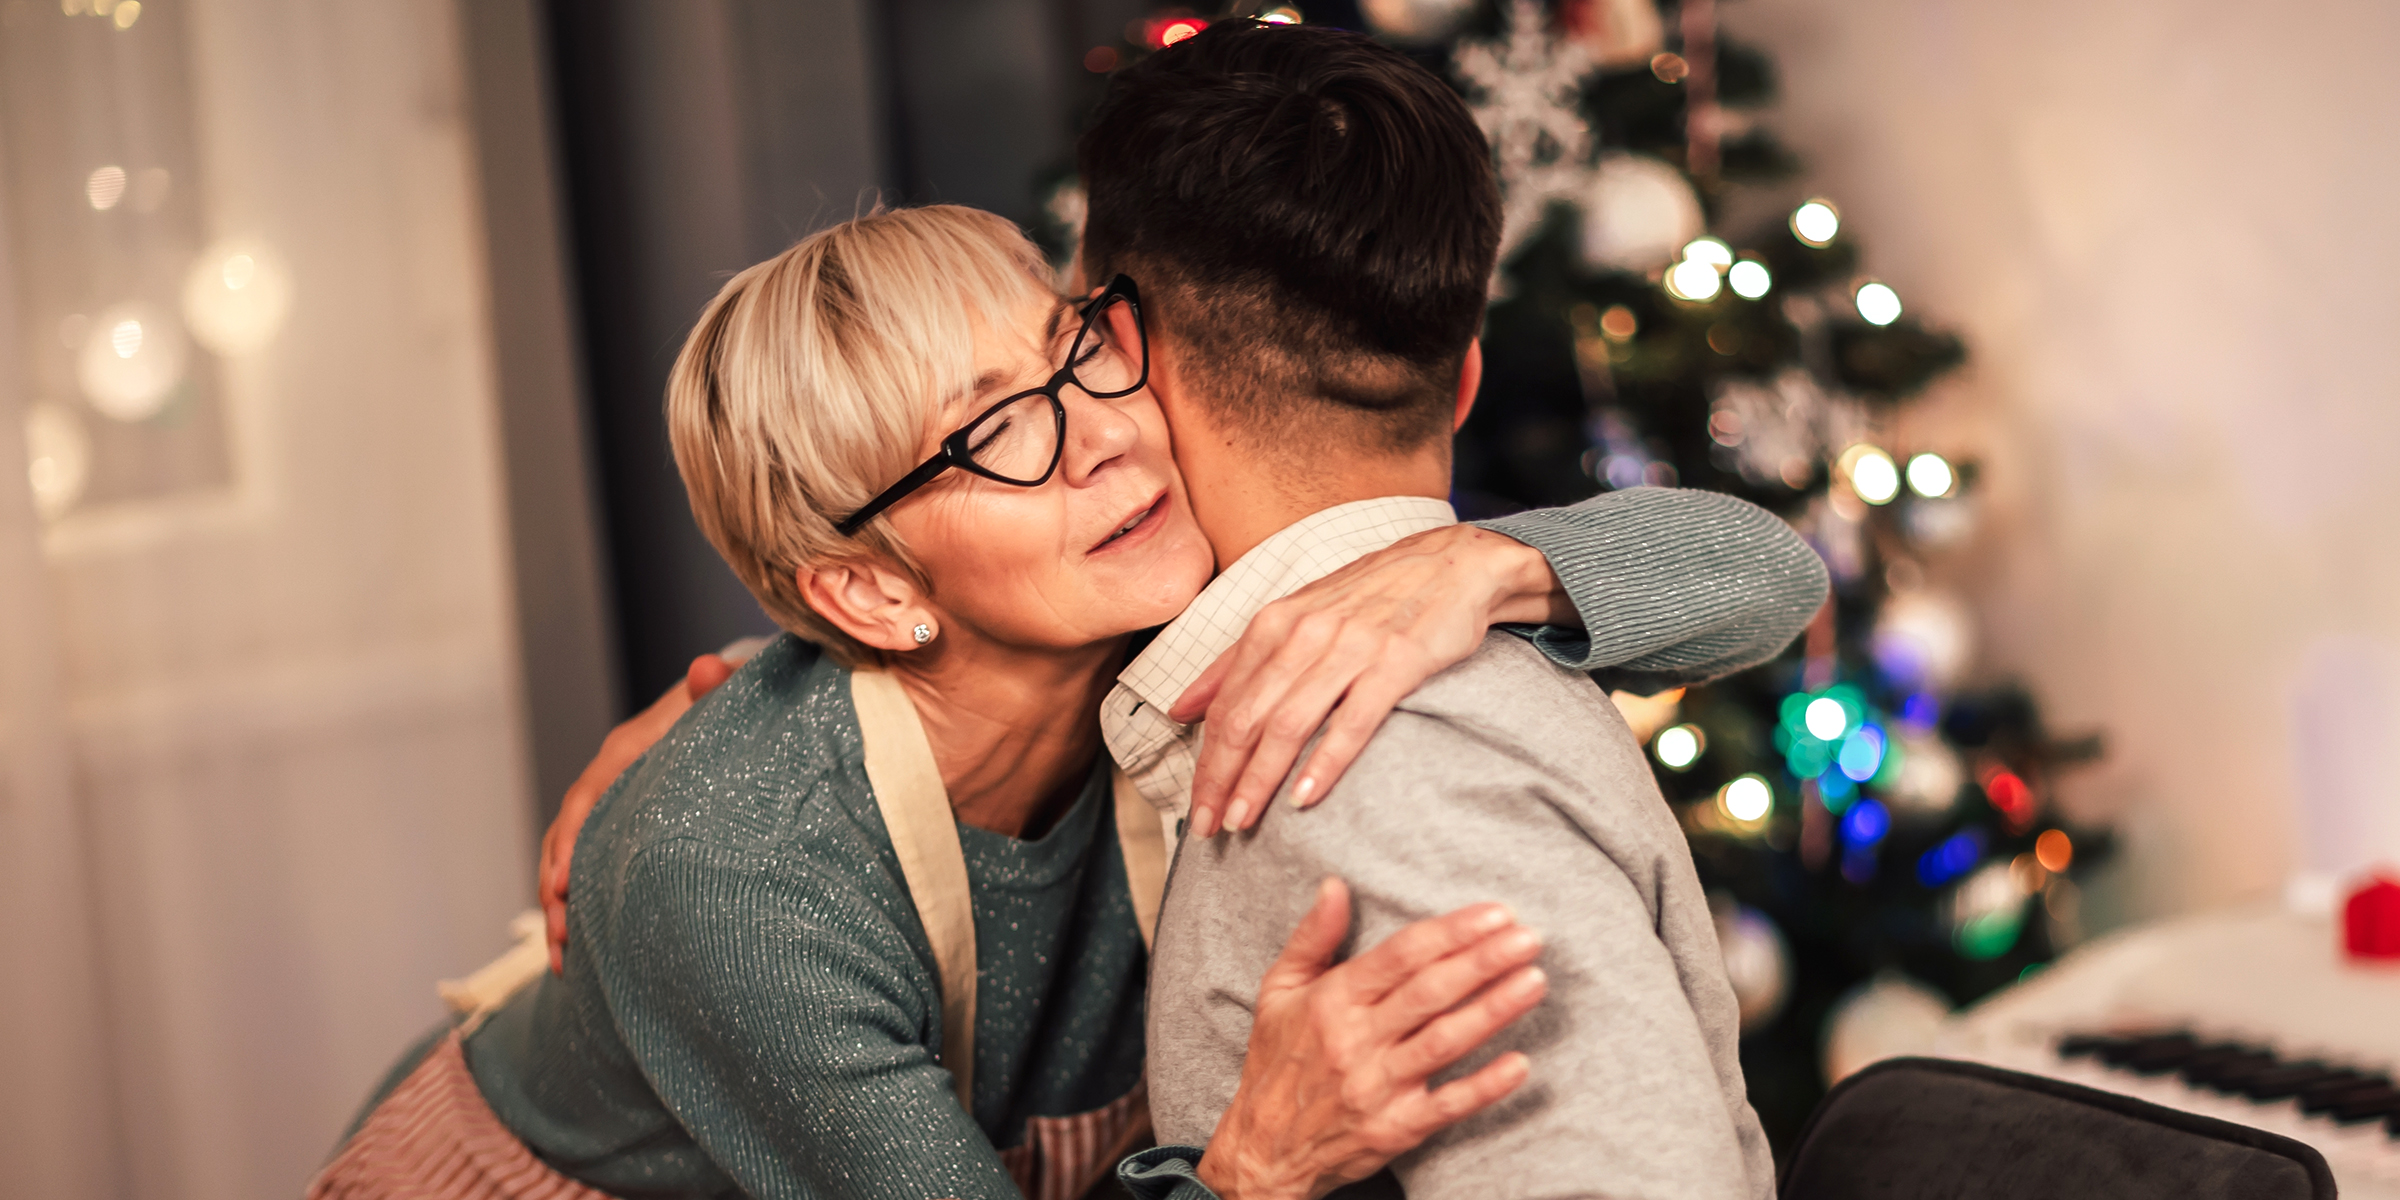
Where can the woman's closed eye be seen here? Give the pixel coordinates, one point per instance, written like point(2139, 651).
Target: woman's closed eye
point(989, 434)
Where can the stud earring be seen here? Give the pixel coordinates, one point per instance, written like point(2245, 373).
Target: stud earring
point(922, 633)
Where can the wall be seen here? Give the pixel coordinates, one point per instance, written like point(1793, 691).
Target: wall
point(265, 770)
point(2164, 230)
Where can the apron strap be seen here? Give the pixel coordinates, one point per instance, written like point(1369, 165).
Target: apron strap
point(916, 811)
point(1142, 837)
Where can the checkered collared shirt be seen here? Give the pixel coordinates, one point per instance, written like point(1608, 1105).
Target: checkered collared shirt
point(1157, 754)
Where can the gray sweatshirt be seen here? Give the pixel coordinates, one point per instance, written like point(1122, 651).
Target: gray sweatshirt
point(1505, 778)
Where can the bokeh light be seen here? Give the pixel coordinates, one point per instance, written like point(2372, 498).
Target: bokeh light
point(1162, 32)
point(2055, 850)
point(1864, 825)
point(1878, 303)
point(1618, 324)
point(1861, 755)
point(1708, 250)
point(1826, 719)
point(131, 362)
point(59, 458)
point(1816, 222)
point(1930, 476)
point(1750, 279)
point(1281, 14)
point(2010, 795)
point(236, 296)
point(1679, 747)
point(1693, 279)
point(1747, 799)
point(1950, 858)
point(1987, 911)
point(104, 187)
point(1872, 474)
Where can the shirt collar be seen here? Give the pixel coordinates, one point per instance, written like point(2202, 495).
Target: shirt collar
point(1298, 554)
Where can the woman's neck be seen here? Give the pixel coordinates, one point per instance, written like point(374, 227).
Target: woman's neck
point(1014, 731)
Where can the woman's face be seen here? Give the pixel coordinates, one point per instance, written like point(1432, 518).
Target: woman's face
point(1105, 547)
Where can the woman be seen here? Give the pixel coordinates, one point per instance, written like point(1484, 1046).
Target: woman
point(766, 996)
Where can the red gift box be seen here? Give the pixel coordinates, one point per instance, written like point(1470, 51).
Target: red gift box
point(2371, 919)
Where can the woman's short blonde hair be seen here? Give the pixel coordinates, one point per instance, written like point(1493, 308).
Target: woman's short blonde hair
point(813, 379)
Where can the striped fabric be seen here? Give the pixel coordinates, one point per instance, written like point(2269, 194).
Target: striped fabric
point(1062, 1157)
point(434, 1138)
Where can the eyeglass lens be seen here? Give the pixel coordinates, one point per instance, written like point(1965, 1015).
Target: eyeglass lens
point(1019, 442)
point(1103, 363)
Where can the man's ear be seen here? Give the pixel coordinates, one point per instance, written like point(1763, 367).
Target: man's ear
point(873, 603)
point(1470, 380)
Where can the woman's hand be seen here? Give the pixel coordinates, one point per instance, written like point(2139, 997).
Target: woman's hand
point(1352, 644)
point(627, 742)
point(1334, 1085)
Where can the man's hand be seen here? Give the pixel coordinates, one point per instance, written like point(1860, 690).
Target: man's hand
point(625, 743)
point(1353, 644)
point(1334, 1084)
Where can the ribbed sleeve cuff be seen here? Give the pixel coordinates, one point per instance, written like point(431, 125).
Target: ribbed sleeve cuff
point(1679, 585)
point(1164, 1173)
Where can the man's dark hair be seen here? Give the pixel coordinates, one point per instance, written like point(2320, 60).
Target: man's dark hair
point(1312, 215)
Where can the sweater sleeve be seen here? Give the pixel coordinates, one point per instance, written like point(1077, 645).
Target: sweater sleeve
point(786, 1033)
point(1164, 1173)
point(1674, 586)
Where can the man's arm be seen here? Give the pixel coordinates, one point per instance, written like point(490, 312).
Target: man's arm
point(1673, 585)
point(1635, 1090)
point(1649, 587)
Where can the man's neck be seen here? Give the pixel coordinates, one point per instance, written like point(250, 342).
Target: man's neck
point(1242, 497)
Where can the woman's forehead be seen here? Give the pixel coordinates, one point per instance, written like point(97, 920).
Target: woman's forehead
point(1005, 358)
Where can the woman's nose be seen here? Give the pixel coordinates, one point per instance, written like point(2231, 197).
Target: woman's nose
point(1098, 433)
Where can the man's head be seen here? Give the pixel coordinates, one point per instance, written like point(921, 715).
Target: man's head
point(1313, 219)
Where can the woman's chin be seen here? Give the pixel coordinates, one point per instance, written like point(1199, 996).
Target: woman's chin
point(1161, 589)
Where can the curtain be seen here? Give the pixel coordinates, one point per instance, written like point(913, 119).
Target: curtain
point(263, 775)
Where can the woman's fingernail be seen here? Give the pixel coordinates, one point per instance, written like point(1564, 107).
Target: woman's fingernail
point(1520, 941)
point(1490, 919)
point(1304, 790)
point(1204, 823)
point(1239, 813)
point(1533, 980)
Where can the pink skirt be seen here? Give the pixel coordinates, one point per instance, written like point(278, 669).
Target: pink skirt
point(434, 1138)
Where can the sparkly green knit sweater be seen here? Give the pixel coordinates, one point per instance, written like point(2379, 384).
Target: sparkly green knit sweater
point(750, 1006)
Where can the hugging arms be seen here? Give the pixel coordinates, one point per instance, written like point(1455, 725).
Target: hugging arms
point(970, 503)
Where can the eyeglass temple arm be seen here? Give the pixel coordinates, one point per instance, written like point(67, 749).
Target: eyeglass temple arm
point(894, 494)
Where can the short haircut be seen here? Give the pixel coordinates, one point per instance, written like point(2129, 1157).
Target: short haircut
point(1313, 216)
point(812, 380)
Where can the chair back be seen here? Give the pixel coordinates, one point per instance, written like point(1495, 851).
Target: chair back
point(1907, 1128)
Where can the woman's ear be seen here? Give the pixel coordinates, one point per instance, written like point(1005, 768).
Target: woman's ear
point(873, 603)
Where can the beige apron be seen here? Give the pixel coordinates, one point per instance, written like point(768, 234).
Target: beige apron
point(436, 1138)
point(916, 810)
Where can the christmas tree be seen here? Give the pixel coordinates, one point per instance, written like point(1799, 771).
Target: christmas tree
point(1672, 309)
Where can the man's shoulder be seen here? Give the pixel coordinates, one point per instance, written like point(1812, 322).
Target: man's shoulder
point(1510, 694)
point(1507, 739)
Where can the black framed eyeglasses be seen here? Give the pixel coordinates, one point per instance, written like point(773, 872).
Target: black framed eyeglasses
point(1020, 440)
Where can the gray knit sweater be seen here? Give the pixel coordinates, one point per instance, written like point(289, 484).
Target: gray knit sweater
point(750, 1006)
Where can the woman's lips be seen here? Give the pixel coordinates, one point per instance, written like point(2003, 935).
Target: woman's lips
point(1141, 529)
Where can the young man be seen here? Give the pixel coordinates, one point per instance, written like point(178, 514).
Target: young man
point(1314, 219)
